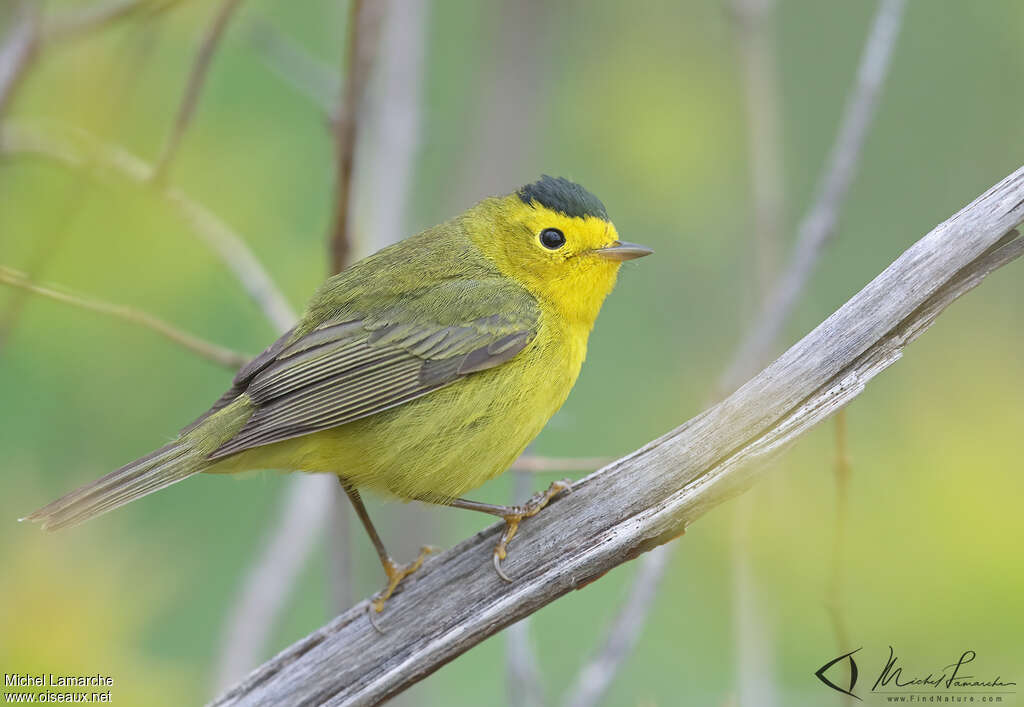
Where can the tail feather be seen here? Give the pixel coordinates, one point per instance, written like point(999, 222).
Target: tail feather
point(167, 465)
point(185, 456)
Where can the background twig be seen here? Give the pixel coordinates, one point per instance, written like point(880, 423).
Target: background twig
point(834, 590)
point(80, 151)
point(212, 352)
point(363, 31)
point(540, 464)
point(293, 63)
point(756, 46)
point(269, 581)
point(754, 29)
point(820, 222)
point(599, 672)
point(190, 99)
point(74, 24)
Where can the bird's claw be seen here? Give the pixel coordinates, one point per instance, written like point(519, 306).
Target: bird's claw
point(395, 574)
point(531, 508)
point(371, 615)
point(497, 566)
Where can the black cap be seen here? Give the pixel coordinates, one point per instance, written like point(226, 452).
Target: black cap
point(563, 196)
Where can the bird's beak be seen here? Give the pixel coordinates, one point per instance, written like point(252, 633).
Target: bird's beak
point(620, 250)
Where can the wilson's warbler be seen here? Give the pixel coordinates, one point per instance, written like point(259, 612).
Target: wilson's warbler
point(420, 372)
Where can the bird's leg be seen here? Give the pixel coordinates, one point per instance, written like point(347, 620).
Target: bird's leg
point(394, 571)
point(513, 516)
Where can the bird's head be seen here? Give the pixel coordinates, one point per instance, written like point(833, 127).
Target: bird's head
point(554, 238)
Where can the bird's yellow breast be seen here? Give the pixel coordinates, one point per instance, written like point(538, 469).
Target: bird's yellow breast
point(451, 440)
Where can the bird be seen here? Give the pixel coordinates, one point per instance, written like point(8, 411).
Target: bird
point(417, 373)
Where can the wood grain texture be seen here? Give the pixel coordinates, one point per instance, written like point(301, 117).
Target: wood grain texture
point(650, 496)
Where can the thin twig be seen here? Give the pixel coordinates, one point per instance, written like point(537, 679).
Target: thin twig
point(42, 250)
point(393, 134)
point(820, 222)
point(210, 351)
point(189, 100)
point(834, 599)
point(292, 62)
point(363, 33)
point(845, 154)
point(649, 497)
point(753, 636)
point(74, 24)
point(46, 247)
point(29, 34)
point(756, 44)
point(81, 151)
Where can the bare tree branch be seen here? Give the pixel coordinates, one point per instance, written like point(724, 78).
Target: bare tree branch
point(211, 39)
point(820, 222)
point(81, 151)
point(218, 354)
point(650, 496)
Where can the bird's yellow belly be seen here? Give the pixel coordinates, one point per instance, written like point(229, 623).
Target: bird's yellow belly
point(447, 442)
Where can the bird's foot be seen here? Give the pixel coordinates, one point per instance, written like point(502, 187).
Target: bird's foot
point(395, 574)
point(531, 508)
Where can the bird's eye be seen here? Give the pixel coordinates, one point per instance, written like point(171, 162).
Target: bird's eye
point(552, 238)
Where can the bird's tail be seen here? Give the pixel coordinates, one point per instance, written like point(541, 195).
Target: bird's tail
point(168, 465)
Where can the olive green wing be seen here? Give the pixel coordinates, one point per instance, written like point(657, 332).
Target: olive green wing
point(347, 369)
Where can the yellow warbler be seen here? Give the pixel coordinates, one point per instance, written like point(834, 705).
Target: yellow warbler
point(420, 372)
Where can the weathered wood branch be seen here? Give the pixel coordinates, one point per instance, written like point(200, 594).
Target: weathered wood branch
point(650, 496)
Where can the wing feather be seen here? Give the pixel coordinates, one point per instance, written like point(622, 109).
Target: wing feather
point(345, 370)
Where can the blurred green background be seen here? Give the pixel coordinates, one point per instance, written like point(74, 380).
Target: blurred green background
point(644, 105)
